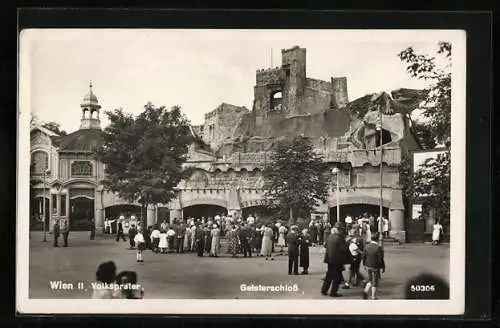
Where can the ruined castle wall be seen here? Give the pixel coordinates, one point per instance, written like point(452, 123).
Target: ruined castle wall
point(220, 123)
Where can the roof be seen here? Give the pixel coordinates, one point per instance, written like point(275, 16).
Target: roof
point(44, 130)
point(81, 140)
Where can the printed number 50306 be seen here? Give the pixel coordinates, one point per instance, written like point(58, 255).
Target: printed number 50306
point(423, 288)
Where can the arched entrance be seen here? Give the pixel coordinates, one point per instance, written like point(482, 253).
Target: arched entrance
point(357, 210)
point(265, 214)
point(81, 211)
point(36, 210)
point(203, 210)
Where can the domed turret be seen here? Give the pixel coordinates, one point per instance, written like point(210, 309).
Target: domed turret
point(90, 111)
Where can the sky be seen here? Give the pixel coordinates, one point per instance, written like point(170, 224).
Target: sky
point(198, 69)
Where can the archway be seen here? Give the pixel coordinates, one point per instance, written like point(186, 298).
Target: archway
point(357, 210)
point(263, 213)
point(81, 211)
point(203, 210)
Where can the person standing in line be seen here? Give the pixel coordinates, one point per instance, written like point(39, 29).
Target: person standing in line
point(373, 261)
point(233, 241)
point(437, 231)
point(65, 231)
point(281, 238)
point(215, 247)
point(155, 239)
point(244, 235)
point(140, 242)
point(293, 251)
point(180, 238)
point(92, 229)
point(170, 239)
point(119, 232)
point(335, 257)
point(385, 227)
point(163, 245)
point(56, 232)
point(304, 242)
point(207, 235)
point(199, 240)
point(186, 245)
point(267, 242)
point(193, 239)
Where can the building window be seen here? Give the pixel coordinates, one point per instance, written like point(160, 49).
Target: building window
point(360, 179)
point(81, 168)
point(276, 101)
point(54, 203)
point(39, 162)
point(63, 205)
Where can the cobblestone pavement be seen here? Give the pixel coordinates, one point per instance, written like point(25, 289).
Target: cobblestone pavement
point(166, 276)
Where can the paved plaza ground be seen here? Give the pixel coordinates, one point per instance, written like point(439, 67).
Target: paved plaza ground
point(188, 276)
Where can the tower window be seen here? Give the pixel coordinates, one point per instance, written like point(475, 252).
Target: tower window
point(276, 101)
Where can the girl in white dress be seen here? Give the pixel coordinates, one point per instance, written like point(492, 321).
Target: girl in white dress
point(163, 245)
point(437, 230)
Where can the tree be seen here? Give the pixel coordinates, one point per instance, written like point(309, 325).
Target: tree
point(54, 127)
point(437, 106)
point(430, 184)
point(294, 179)
point(144, 155)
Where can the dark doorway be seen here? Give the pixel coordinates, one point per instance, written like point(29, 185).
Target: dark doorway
point(199, 211)
point(36, 209)
point(263, 213)
point(81, 210)
point(357, 210)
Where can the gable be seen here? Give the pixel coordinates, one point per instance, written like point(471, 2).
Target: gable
point(38, 138)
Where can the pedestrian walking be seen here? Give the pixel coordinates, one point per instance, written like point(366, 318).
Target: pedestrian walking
point(437, 231)
point(56, 232)
point(373, 261)
point(92, 229)
point(335, 258)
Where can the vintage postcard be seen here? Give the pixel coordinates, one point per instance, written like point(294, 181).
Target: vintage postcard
point(241, 171)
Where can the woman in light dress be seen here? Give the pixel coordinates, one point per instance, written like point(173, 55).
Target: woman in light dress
point(215, 247)
point(163, 245)
point(267, 242)
point(281, 238)
point(437, 231)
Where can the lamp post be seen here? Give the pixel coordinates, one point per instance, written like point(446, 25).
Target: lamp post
point(335, 171)
point(379, 129)
point(45, 173)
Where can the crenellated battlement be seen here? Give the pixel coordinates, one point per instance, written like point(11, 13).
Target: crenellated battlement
point(269, 76)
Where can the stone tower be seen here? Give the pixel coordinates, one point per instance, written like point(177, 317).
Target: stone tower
point(90, 111)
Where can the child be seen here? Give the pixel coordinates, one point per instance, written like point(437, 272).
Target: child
point(163, 242)
point(140, 243)
point(373, 260)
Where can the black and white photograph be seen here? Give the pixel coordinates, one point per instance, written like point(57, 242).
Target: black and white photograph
point(241, 171)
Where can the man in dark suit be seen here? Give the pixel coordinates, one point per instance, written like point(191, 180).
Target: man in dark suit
point(92, 229)
point(292, 240)
point(244, 235)
point(64, 229)
point(199, 240)
point(335, 257)
point(56, 232)
point(119, 233)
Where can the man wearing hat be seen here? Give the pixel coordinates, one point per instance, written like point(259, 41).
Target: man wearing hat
point(335, 258)
point(293, 250)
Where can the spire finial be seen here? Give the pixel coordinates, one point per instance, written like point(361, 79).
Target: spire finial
point(90, 85)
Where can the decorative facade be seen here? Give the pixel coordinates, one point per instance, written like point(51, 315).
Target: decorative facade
point(234, 146)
